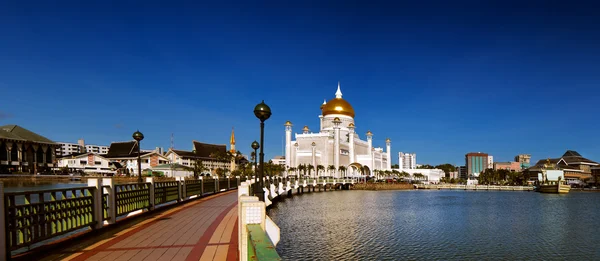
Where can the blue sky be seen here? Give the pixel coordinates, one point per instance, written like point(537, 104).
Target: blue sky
point(440, 79)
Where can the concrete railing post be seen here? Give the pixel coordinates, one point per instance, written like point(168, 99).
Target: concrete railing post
point(201, 185)
point(151, 189)
point(180, 190)
point(98, 212)
point(4, 253)
point(217, 189)
point(112, 199)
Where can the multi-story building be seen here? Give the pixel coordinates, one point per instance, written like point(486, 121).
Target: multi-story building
point(476, 163)
point(511, 166)
point(524, 159)
point(453, 175)
point(206, 154)
point(88, 162)
point(490, 160)
point(279, 160)
point(462, 172)
point(22, 150)
point(67, 148)
point(577, 169)
point(407, 160)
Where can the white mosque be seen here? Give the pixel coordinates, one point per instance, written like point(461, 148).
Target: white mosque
point(336, 143)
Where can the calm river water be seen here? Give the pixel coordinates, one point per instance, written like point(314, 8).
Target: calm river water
point(438, 225)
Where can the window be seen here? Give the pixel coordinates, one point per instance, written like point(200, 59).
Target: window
point(97, 162)
point(82, 162)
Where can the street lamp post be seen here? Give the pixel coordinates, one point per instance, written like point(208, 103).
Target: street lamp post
point(138, 136)
point(262, 112)
point(255, 147)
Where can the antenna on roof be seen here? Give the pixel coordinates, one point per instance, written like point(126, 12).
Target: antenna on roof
point(171, 140)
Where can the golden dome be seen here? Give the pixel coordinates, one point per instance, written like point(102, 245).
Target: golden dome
point(288, 123)
point(351, 125)
point(305, 128)
point(338, 106)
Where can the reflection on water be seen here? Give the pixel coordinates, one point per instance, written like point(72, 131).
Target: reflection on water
point(439, 225)
point(13, 185)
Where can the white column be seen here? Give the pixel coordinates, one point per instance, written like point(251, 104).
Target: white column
point(320, 123)
point(98, 212)
point(388, 148)
point(336, 146)
point(112, 207)
point(288, 144)
point(314, 156)
point(351, 143)
point(372, 160)
point(400, 161)
point(370, 142)
point(296, 162)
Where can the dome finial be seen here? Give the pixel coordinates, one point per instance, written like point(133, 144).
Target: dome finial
point(338, 93)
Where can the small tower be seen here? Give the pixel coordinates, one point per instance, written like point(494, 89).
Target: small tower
point(232, 150)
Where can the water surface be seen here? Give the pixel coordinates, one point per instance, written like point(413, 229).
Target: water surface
point(438, 225)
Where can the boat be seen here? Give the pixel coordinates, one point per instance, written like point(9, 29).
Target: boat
point(552, 181)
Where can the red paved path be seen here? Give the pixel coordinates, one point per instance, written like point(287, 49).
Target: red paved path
point(204, 229)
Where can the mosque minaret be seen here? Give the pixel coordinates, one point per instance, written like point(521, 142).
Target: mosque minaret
point(336, 143)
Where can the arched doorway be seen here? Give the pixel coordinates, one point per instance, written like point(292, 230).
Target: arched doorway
point(355, 169)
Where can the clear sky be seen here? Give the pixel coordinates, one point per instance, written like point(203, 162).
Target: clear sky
point(440, 79)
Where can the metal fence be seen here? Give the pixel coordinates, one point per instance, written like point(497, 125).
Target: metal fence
point(34, 216)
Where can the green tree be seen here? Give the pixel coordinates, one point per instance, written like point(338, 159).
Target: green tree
point(320, 168)
point(198, 168)
point(302, 169)
point(342, 169)
point(310, 168)
point(331, 170)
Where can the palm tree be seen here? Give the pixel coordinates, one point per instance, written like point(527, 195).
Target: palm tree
point(395, 173)
point(321, 168)
point(310, 168)
point(331, 169)
point(342, 169)
point(302, 169)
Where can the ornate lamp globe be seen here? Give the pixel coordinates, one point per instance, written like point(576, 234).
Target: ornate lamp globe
point(314, 144)
point(262, 111)
point(138, 136)
point(255, 145)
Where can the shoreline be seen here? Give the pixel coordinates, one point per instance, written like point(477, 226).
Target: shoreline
point(383, 186)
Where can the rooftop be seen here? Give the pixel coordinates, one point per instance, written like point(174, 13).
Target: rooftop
point(16, 132)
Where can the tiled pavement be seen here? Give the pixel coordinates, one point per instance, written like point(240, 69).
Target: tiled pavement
point(205, 229)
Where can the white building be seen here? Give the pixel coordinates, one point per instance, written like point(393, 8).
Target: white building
point(279, 160)
point(205, 153)
point(407, 160)
point(87, 162)
point(432, 176)
point(174, 170)
point(490, 162)
point(125, 154)
point(336, 143)
point(67, 148)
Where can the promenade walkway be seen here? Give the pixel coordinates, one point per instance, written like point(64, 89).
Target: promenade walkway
point(204, 229)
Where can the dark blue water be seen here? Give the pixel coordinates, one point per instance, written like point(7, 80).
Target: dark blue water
point(438, 225)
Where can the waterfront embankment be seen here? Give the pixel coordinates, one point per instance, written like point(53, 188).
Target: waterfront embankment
point(382, 186)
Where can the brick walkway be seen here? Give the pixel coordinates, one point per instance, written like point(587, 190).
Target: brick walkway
point(205, 229)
